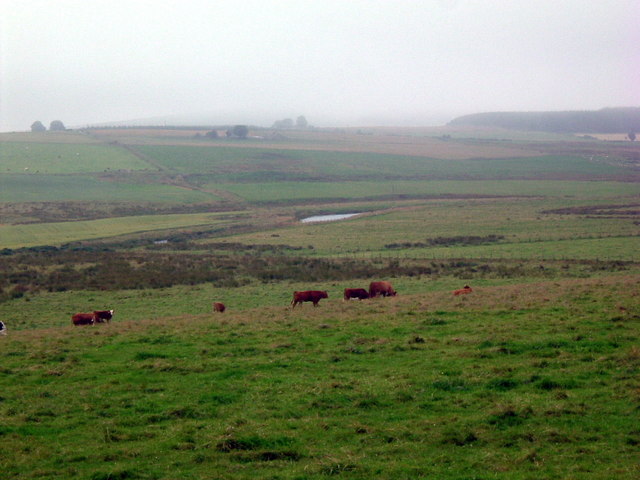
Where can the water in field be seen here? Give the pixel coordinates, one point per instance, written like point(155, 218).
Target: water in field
point(328, 218)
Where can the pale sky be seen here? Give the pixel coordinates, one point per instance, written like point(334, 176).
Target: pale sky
point(337, 62)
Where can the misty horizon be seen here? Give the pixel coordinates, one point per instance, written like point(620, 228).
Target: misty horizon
point(357, 63)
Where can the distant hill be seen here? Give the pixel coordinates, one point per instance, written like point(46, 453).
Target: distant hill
point(606, 120)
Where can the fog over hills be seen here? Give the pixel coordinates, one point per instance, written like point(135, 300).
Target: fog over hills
point(267, 121)
point(338, 63)
point(605, 120)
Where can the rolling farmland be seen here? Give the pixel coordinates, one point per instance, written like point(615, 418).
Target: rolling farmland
point(533, 375)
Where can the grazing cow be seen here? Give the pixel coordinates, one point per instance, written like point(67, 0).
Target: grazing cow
point(3, 328)
point(101, 316)
point(83, 319)
point(383, 289)
point(360, 293)
point(463, 291)
point(219, 307)
point(308, 296)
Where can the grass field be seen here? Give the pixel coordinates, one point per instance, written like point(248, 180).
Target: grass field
point(249, 164)
point(508, 383)
point(283, 191)
point(532, 375)
point(37, 157)
point(80, 188)
point(528, 232)
point(16, 236)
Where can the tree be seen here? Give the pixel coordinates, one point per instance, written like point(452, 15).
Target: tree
point(301, 122)
point(631, 136)
point(37, 126)
point(211, 134)
point(284, 123)
point(240, 131)
point(57, 126)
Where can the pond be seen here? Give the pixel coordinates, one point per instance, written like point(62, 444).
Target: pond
point(328, 218)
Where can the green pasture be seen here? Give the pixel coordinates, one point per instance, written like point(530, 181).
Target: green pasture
point(296, 191)
point(54, 309)
point(533, 375)
point(17, 236)
point(64, 158)
point(527, 232)
point(46, 310)
point(511, 382)
point(605, 248)
point(17, 188)
point(69, 136)
point(237, 164)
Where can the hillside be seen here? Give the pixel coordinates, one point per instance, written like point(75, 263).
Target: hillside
point(529, 380)
point(534, 374)
point(606, 120)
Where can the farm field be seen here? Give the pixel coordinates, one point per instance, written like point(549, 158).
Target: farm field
point(508, 383)
point(285, 191)
point(16, 236)
point(80, 188)
point(249, 163)
point(522, 223)
point(532, 375)
point(66, 158)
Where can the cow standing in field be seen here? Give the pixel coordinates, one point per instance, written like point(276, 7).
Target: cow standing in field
point(3, 328)
point(101, 316)
point(359, 293)
point(463, 291)
point(384, 289)
point(219, 307)
point(308, 296)
point(83, 319)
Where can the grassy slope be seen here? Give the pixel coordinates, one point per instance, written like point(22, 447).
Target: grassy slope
point(246, 164)
point(62, 158)
point(522, 379)
point(528, 232)
point(79, 188)
point(16, 236)
point(210, 169)
point(509, 382)
point(289, 191)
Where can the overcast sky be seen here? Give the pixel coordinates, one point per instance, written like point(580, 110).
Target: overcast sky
point(337, 62)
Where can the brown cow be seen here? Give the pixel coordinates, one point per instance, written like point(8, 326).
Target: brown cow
point(360, 293)
point(308, 296)
point(219, 307)
point(101, 316)
point(383, 289)
point(463, 291)
point(83, 319)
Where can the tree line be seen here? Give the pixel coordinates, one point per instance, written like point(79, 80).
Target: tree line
point(606, 120)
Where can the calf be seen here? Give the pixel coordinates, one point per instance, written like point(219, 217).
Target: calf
point(359, 293)
point(463, 291)
point(218, 307)
point(308, 296)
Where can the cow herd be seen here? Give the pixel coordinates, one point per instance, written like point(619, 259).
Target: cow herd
point(376, 289)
